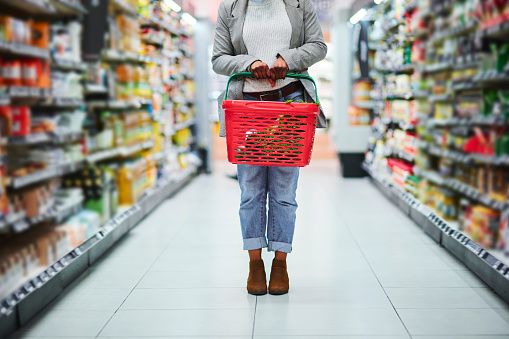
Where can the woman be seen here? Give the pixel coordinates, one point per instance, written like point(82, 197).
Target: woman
point(250, 36)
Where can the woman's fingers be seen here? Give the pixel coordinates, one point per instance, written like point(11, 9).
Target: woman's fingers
point(279, 69)
point(278, 73)
point(260, 70)
point(267, 72)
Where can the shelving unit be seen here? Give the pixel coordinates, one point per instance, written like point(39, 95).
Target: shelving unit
point(91, 134)
point(486, 264)
point(441, 154)
point(43, 286)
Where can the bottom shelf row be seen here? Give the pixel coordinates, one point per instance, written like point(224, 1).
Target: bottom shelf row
point(46, 252)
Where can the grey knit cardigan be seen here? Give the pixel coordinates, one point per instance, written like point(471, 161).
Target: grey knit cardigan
point(229, 55)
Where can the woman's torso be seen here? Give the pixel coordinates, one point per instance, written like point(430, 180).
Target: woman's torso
point(267, 31)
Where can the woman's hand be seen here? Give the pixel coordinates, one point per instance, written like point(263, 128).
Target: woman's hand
point(260, 71)
point(278, 70)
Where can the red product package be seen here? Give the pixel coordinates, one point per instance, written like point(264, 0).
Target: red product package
point(29, 71)
point(20, 121)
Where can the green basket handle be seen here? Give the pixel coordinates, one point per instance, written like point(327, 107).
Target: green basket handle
point(289, 75)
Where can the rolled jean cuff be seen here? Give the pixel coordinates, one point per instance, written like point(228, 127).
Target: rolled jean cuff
point(255, 243)
point(280, 247)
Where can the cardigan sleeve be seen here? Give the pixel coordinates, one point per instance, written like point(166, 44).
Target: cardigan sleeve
point(314, 48)
point(224, 60)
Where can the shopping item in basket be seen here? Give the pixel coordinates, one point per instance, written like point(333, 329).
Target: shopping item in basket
point(270, 133)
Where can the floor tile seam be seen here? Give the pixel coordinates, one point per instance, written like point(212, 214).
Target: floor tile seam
point(188, 288)
point(187, 309)
point(347, 223)
point(254, 318)
point(452, 308)
point(148, 269)
point(436, 287)
point(261, 309)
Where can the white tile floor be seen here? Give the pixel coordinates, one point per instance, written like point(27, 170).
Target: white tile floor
point(360, 268)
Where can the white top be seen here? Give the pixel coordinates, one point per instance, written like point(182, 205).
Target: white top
point(267, 31)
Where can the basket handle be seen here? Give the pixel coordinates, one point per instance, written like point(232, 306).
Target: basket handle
point(289, 75)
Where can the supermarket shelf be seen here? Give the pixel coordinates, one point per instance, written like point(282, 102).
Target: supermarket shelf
point(33, 178)
point(95, 89)
point(123, 151)
point(420, 94)
point(69, 168)
point(403, 69)
point(29, 139)
point(119, 56)
point(366, 104)
point(492, 77)
point(56, 214)
point(172, 54)
point(455, 31)
point(34, 7)
point(28, 92)
point(63, 102)
point(465, 86)
point(124, 7)
point(112, 104)
point(493, 120)
point(402, 124)
point(465, 158)
point(68, 65)
point(23, 50)
point(402, 155)
point(156, 22)
point(439, 67)
point(185, 124)
point(43, 175)
point(38, 291)
point(50, 137)
point(460, 188)
point(498, 31)
point(408, 96)
point(66, 7)
point(151, 41)
point(441, 98)
point(149, 60)
point(481, 261)
point(419, 33)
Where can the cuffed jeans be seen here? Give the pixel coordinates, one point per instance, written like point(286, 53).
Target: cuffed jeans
point(279, 186)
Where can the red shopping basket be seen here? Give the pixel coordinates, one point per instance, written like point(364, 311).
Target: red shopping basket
point(270, 133)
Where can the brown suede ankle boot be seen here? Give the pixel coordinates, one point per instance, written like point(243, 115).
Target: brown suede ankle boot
point(257, 280)
point(279, 281)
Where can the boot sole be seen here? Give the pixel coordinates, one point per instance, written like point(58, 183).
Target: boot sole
point(257, 293)
point(277, 293)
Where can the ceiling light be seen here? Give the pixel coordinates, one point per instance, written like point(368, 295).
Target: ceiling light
point(173, 5)
point(378, 2)
point(358, 16)
point(189, 18)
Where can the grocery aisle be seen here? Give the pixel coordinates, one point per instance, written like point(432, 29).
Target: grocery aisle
point(359, 268)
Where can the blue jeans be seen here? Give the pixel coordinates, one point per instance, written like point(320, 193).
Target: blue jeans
point(280, 185)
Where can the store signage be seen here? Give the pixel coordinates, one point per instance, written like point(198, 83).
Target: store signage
point(362, 50)
point(95, 25)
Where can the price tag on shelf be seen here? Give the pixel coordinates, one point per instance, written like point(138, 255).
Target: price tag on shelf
point(37, 282)
point(29, 287)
